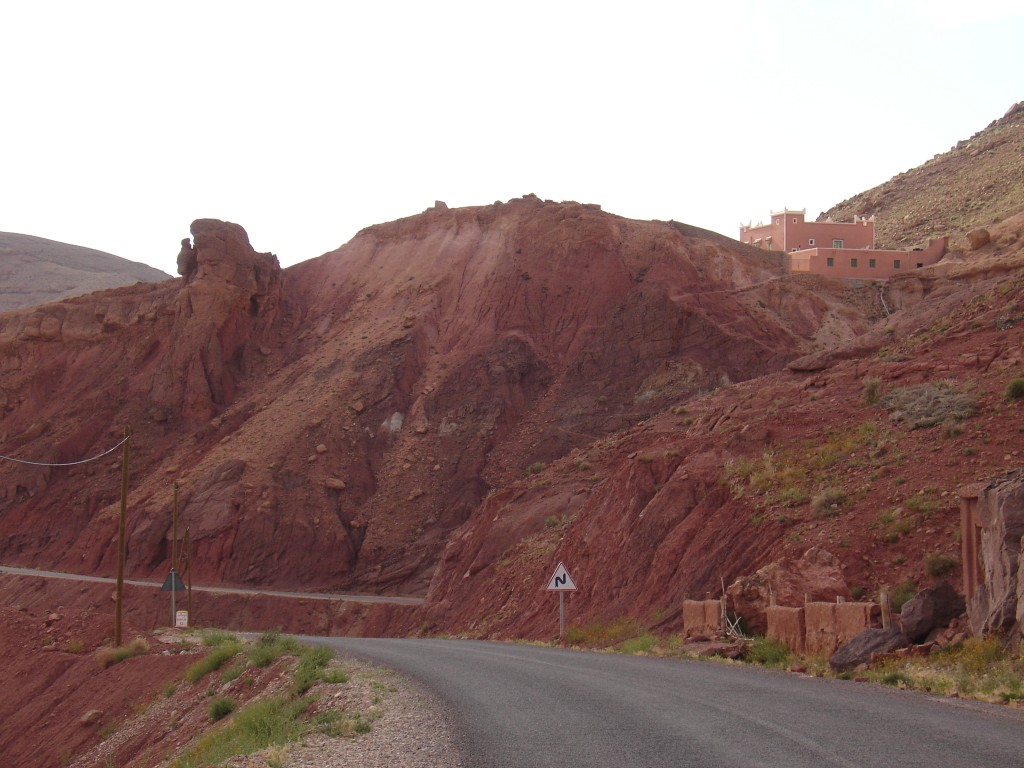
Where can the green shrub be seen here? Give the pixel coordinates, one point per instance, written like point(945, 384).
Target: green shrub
point(901, 593)
point(1015, 389)
point(333, 676)
point(536, 468)
point(792, 496)
point(220, 708)
point(270, 647)
point(261, 724)
point(215, 637)
point(307, 671)
point(642, 644)
point(232, 673)
point(109, 656)
point(939, 565)
point(871, 390)
point(767, 652)
point(338, 724)
point(212, 661)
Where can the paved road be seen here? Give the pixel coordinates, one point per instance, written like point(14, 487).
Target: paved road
point(220, 590)
point(528, 706)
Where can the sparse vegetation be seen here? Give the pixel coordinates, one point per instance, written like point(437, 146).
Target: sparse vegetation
point(640, 644)
point(1015, 389)
point(211, 662)
point(270, 647)
point(215, 637)
point(901, 593)
point(311, 663)
point(109, 656)
point(536, 468)
point(924, 405)
point(602, 634)
point(925, 502)
point(978, 669)
point(263, 723)
point(828, 502)
point(767, 652)
point(871, 390)
point(221, 707)
point(939, 565)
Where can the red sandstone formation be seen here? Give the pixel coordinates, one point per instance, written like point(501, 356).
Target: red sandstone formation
point(450, 403)
point(331, 424)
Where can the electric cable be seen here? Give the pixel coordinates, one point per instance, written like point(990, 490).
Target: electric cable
point(68, 463)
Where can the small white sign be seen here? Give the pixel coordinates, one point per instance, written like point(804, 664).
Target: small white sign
point(561, 581)
point(181, 619)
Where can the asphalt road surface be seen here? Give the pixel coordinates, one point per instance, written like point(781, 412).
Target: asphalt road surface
point(524, 706)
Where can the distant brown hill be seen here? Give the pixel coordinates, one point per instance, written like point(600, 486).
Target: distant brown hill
point(34, 270)
point(977, 183)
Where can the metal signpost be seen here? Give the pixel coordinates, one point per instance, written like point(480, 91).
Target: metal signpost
point(561, 582)
point(173, 584)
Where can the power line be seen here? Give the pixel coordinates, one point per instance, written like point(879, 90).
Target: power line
point(68, 463)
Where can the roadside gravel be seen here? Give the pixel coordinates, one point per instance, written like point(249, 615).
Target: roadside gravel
point(409, 727)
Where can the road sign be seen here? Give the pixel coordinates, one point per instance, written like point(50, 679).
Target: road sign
point(181, 619)
point(173, 583)
point(561, 581)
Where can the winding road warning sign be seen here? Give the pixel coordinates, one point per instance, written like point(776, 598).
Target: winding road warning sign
point(561, 581)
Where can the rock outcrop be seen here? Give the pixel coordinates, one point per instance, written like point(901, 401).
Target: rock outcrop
point(998, 602)
point(868, 644)
point(816, 576)
point(931, 608)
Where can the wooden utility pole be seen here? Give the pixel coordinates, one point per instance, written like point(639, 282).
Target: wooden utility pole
point(188, 567)
point(120, 534)
point(174, 530)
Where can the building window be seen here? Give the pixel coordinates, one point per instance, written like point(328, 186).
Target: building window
point(811, 241)
point(837, 243)
point(853, 262)
point(919, 265)
point(778, 221)
point(871, 263)
point(794, 221)
point(895, 263)
point(829, 262)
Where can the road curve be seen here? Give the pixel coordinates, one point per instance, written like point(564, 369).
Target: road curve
point(339, 597)
point(531, 707)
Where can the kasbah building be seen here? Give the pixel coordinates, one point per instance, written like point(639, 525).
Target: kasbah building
point(836, 249)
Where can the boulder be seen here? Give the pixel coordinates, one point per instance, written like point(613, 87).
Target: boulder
point(91, 717)
point(978, 238)
point(817, 574)
point(865, 645)
point(929, 609)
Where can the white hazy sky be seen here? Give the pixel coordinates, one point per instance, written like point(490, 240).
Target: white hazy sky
point(121, 122)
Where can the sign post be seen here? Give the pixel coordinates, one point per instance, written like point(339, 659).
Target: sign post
point(561, 582)
point(173, 584)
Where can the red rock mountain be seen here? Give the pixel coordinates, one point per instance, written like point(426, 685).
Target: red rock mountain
point(34, 271)
point(331, 424)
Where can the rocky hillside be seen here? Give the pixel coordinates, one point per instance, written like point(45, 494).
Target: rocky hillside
point(332, 424)
point(859, 452)
point(977, 183)
point(35, 271)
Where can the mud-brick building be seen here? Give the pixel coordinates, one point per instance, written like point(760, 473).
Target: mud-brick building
point(788, 231)
point(836, 249)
